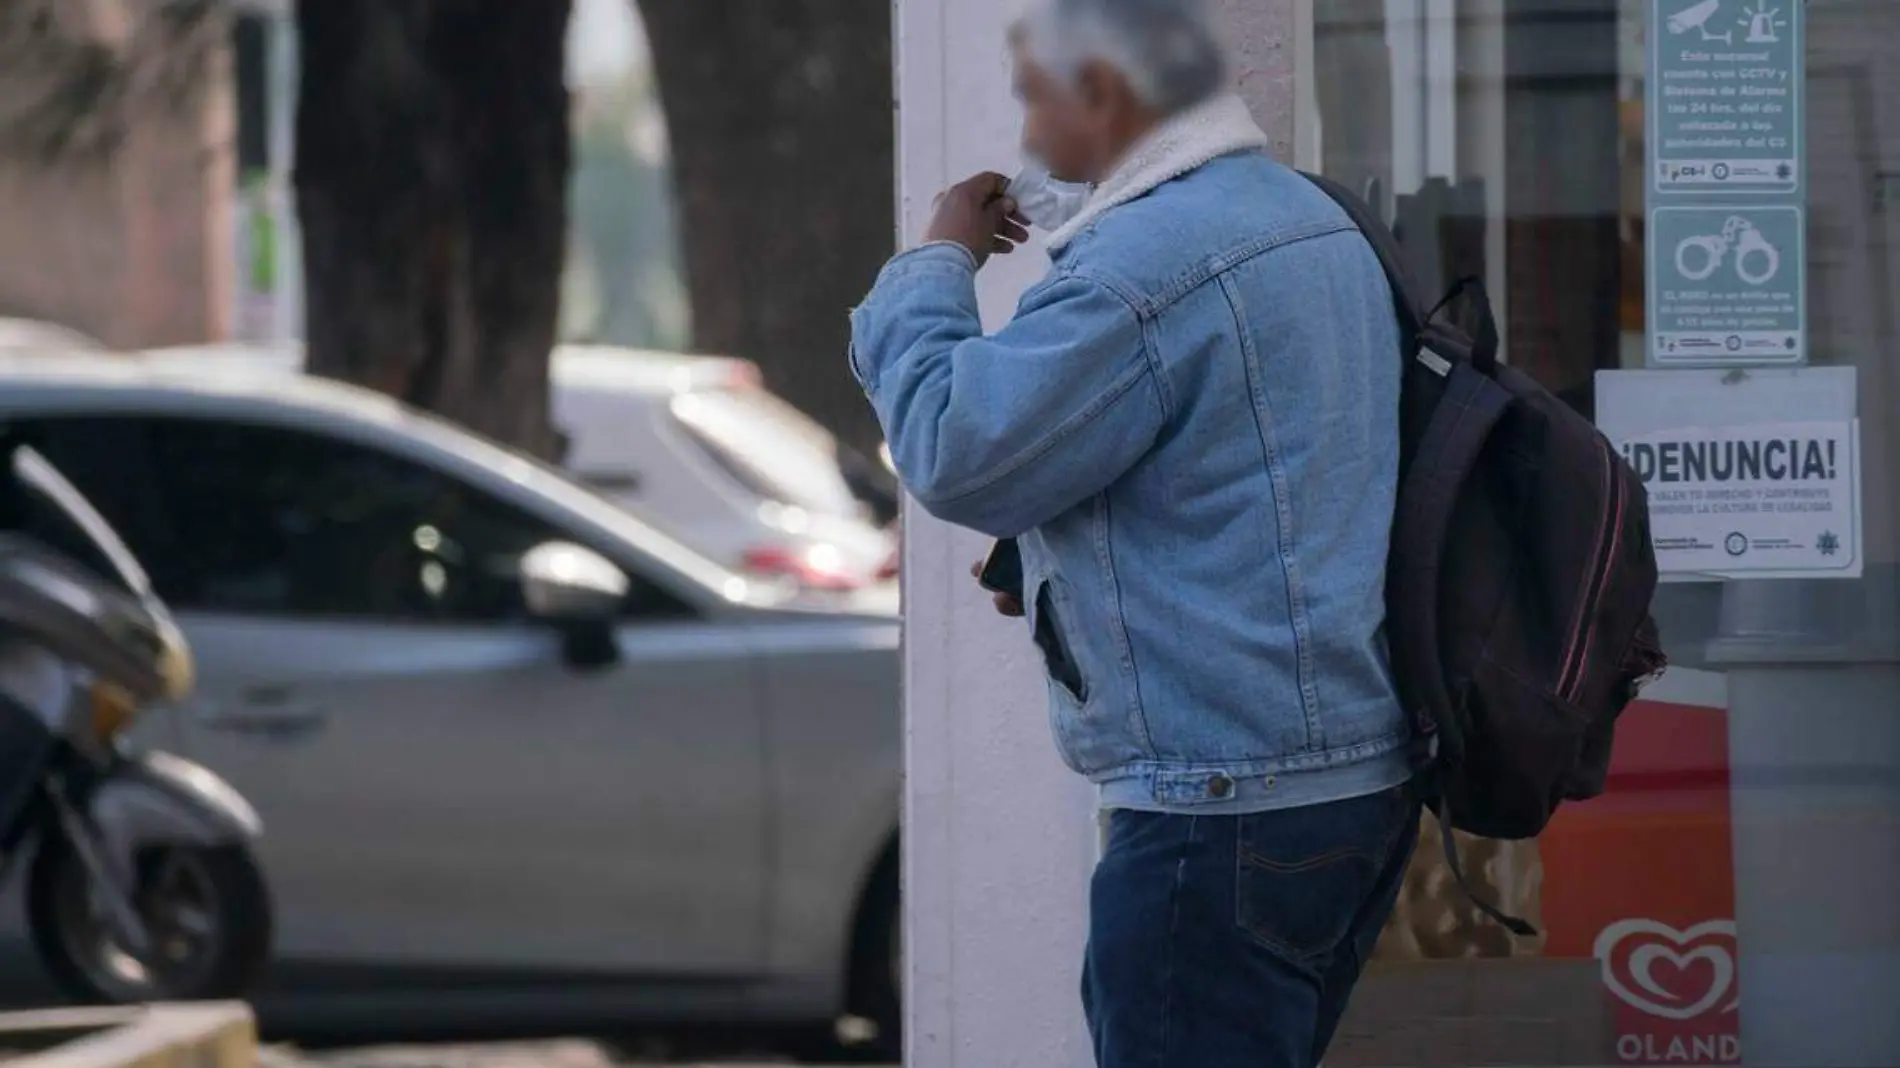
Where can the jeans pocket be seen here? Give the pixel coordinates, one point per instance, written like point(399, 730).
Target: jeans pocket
point(1303, 876)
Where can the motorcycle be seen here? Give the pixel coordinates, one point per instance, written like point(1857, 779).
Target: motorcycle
point(142, 883)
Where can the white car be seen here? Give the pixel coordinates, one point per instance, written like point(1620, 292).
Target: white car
point(699, 448)
point(521, 759)
point(38, 335)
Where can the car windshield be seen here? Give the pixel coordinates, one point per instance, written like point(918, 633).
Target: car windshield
point(772, 448)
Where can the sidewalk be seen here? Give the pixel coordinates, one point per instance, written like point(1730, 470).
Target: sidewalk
point(1457, 1013)
point(561, 1053)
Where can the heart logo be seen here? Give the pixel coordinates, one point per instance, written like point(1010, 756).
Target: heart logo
point(1675, 975)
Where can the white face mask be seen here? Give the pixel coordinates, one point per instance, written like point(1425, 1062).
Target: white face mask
point(1045, 202)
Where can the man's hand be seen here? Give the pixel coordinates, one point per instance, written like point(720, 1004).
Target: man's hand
point(1005, 604)
point(977, 215)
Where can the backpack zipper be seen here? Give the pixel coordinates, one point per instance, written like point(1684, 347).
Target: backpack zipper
point(1609, 539)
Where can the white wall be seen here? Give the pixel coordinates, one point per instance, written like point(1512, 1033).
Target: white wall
point(998, 837)
point(997, 845)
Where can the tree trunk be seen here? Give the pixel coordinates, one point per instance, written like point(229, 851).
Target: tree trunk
point(432, 161)
point(783, 136)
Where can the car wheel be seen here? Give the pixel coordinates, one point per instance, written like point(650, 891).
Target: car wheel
point(207, 908)
point(877, 968)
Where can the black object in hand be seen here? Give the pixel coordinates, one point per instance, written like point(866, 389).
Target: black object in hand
point(1003, 569)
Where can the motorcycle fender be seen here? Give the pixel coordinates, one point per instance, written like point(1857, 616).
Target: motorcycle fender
point(161, 799)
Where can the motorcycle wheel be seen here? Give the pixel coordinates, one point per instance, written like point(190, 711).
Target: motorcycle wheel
point(208, 910)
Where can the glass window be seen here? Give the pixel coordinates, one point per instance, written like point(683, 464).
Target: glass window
point(250, 62)
point(1718, 902)
point(233, 517)
point(770, 448)
point(290, 524)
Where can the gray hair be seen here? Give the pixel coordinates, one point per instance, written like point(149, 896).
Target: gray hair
point(1169, 50)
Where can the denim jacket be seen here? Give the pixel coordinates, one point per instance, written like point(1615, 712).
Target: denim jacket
point(1192, 425)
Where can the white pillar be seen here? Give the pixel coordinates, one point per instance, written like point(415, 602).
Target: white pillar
point(999, 837)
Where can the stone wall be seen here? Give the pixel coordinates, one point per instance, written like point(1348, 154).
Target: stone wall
point(133, 247)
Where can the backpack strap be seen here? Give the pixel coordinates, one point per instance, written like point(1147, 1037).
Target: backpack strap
point(1484, 338)
point(1461, 423)
point(1412, 318)
point(1447, 454)
point(1514, 924)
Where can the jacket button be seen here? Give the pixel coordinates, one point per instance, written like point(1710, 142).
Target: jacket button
point(1220, 786)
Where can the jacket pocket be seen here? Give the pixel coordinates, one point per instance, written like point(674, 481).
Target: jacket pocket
point(1057, 658)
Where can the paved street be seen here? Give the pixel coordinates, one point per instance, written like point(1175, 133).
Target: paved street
point(568, 1053)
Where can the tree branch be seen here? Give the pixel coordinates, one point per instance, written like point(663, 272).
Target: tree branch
point(68, 94)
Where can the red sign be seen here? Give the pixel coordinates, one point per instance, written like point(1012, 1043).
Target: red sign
point(1642, 880)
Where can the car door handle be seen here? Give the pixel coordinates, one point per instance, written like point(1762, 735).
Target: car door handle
point(265, 710)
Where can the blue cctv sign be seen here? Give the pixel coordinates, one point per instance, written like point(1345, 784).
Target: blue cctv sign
point(1725, 97)
point(1727, 272)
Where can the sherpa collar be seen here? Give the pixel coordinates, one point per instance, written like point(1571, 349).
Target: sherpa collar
point(1194, 137)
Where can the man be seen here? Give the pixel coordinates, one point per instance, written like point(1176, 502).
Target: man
point(1191, 426)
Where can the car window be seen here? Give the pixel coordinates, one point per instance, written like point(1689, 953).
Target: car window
point(248, 519)
point(770, 447)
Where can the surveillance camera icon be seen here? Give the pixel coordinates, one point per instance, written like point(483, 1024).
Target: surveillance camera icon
point(1697, 18)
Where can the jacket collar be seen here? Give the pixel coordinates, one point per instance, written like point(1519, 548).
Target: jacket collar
point(1181, 144)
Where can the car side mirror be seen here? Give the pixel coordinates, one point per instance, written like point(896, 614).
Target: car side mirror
point(579, 591)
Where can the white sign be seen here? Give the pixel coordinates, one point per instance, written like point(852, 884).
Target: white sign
point(1779, 498)
point(1714, 407)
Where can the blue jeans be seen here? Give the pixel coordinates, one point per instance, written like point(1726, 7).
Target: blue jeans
point(1235, 941)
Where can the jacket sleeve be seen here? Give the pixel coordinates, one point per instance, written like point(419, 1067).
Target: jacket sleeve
point(1003, 433)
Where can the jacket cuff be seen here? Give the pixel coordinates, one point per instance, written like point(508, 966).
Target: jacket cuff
point(933, 254)
point(932, 266)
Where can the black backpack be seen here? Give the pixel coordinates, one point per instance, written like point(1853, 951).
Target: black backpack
point(1519, 580)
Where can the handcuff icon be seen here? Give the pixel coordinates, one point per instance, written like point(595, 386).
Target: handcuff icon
point(1738, 234)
